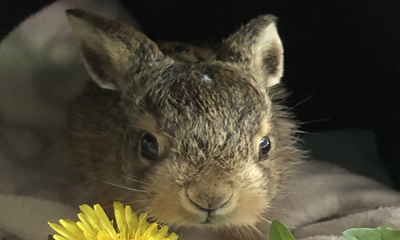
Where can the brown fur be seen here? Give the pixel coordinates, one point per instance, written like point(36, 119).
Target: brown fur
point(208, 114)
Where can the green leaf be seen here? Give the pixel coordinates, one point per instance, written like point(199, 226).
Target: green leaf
point(278, 231)
point(50, 237)
point(371, 234)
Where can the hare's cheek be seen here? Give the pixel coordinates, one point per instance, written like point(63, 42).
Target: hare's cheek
point(250, 206)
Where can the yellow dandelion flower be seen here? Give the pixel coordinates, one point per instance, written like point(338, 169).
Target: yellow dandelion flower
point(94, 224)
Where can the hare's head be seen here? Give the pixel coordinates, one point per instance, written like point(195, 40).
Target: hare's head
point(207, 143)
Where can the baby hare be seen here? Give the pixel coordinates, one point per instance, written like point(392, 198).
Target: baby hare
point(199, 139)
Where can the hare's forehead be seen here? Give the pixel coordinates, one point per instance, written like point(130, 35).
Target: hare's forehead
point(212, 108)
point(206, 86)
point(208, 96)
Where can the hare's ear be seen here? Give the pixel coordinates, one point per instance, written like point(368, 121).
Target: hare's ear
point(258, 48)
point(113, 52)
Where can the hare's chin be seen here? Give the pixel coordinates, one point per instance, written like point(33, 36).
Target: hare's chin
point(204, 219)
point(209, 222)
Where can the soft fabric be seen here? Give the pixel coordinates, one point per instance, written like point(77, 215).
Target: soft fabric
point(41, 72)
point(23, 217)
point(325, 199)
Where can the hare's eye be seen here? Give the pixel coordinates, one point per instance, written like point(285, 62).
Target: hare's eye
point(149, 147)
point(264, 147)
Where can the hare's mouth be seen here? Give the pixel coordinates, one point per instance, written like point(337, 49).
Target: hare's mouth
point(214, 219)
point(208, 210)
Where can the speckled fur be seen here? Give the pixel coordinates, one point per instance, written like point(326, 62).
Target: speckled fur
point(208, 131)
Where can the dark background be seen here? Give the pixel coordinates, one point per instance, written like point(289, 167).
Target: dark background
point(342, 58)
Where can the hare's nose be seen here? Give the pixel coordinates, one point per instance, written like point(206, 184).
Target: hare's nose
point(209, 202)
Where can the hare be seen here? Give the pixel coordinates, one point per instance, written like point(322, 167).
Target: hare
point(199, 139)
